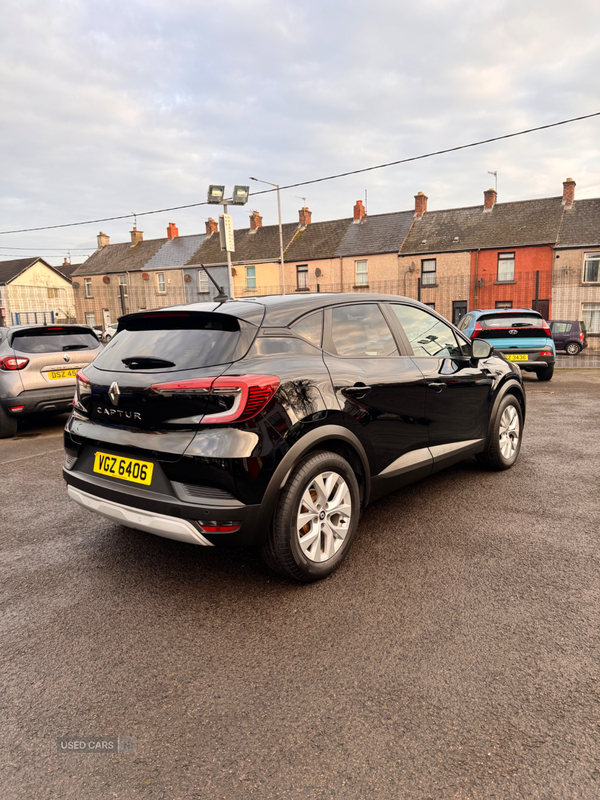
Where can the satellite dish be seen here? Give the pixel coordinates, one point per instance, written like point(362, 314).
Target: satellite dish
point(105, 279)
point(76, 284)
point(187, 278)
point(233, 271)
point(145, 276)
point(318, 272)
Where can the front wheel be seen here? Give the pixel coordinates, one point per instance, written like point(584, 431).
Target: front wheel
point(315, 520)
point(505, 440)
point(546, 373)
point(572, 348)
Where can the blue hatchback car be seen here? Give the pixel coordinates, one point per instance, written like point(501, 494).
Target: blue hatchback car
point(520, 334)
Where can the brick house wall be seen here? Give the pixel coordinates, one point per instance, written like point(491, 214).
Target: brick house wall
point(569, 292)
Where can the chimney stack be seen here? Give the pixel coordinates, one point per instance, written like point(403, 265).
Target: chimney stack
point(489, 199)
point(304, 216)
point(136, 236)
point(568, 192)
point(172, 231)
point(102, 239)
point(255, 221)
point(359, 211)
point(211, 226)
point(420, 205)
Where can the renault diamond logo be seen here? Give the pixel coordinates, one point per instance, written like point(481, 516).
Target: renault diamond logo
point(67, 357)
point(513, 331)
point(114, 393)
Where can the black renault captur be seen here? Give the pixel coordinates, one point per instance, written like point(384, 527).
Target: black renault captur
point(275, 421)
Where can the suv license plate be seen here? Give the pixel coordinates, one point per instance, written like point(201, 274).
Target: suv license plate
point(127, 469)
point(59, 374)
point(520, 357)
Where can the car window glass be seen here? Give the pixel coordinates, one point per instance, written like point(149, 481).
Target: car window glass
point(561, 327)
point(360, 331)
point(464, 323)
point(40, 342)
point(511, 321)
point(428, 336)
point(310, 327)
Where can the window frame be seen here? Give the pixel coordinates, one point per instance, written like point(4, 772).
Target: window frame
point(88, 289)
point(203, 280)
point(250, 277)
point(364, 272)
point(590, 257)
point(302, 269)
point(506, 256)
point(588, 327)
point(164, 283)
point(429, 271)
point(503, 304)
point(91, 314)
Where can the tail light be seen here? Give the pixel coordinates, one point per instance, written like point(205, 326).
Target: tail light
point(476, 330)
point(13, 362)
point(546, 353)
point(582, 336)
point(82, 389)
point(546, 327)
point(249, 394)
point(212, 526)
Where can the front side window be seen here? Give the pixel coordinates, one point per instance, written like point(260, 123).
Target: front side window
point(361, 273)
point(250, 277)
point(161, 287)
point(427, 335)
point(428, 271)
point(591, 317)
point(506, 266)
point(360, 331)
point(302, 276)
point(203, 285)
point(591, 268)
point(87, 287)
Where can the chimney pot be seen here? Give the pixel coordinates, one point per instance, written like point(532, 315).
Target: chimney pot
point(211, 226)
point(489, 199)
point(304, 216)
point(359, 211)
point(172, 231)
point(136, 236)
point(255, 221)
point(103, 239)
point(420, 204)
point(568, 192)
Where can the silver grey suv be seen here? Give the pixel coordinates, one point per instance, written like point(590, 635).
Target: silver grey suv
point(38, 365)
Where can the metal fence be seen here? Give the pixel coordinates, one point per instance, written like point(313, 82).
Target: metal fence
point(26, 305)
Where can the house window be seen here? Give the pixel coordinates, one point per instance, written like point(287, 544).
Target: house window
point(590, 313)
point(430, 305)
point(591, 268)
point(122, 280)
point(361, 273)
point(302, 276)
point(90, 318)
point(428, 271)
point(506, 266)
point(87, 287)
point(203, 284)
point(161, 287)
point(250, 277)
point(52, 292)
point(504, 304)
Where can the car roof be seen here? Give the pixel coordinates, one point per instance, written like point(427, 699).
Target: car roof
point(480, 311)
point(281, 310)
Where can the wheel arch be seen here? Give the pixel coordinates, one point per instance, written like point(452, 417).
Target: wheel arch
point(511, 387)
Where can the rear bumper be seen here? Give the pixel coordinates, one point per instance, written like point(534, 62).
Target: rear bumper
point(38, 401)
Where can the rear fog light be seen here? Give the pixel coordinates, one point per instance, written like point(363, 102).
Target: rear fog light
point(212, 526)
point(16, 408)
point(546, 353)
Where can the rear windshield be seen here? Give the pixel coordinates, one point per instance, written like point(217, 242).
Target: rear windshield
point(511, 321)
point(36, 341)
point(172, 342)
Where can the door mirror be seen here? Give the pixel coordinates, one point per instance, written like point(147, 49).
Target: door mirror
point(481, 349)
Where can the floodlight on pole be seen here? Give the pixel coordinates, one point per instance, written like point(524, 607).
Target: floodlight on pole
point(240, 195)
point(282, 273)
point(215, 194)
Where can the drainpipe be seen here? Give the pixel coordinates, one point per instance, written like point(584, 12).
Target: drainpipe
point(475, 280)
point(341, 274)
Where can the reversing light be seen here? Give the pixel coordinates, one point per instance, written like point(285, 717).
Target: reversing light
point(13, 362)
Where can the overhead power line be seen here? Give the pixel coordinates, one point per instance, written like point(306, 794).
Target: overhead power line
point(319, 180)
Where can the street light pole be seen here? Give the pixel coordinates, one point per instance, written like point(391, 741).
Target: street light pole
point(281, 268)
point(229, 267)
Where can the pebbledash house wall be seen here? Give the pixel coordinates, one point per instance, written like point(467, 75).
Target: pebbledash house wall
point(569, 292)
point(522, 291)
point(452, 280)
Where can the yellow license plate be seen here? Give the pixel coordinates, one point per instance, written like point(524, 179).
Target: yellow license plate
point(127, 469)
point(59, 374)
point(520, 357)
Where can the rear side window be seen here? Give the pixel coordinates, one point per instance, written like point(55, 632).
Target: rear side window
point(561, 327)
point(35, 341)
point(310, 328)
point(360, 331)
point(511, 321)
point(176, 341)
point(465, 322)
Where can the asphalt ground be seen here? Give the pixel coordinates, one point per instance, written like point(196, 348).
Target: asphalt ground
point(455, 654)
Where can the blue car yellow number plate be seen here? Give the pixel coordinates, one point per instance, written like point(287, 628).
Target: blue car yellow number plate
point(519, 357)
point(127, 469)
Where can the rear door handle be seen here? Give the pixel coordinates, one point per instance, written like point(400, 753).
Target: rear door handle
point(358, 390)
point(437, 387)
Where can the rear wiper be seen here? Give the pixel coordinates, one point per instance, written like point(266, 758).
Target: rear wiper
point(148, 362)
point(75, 347)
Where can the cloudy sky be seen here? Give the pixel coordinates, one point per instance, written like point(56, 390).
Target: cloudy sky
point(111, 107)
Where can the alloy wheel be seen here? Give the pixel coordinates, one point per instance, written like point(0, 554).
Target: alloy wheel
point(509, 432)
point(324, 516)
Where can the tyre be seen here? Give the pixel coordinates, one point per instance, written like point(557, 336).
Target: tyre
point(107, 338)
point(315, 520)
point(8, 425)
point(505, 440)
point(572, 348)
point(545, 374)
